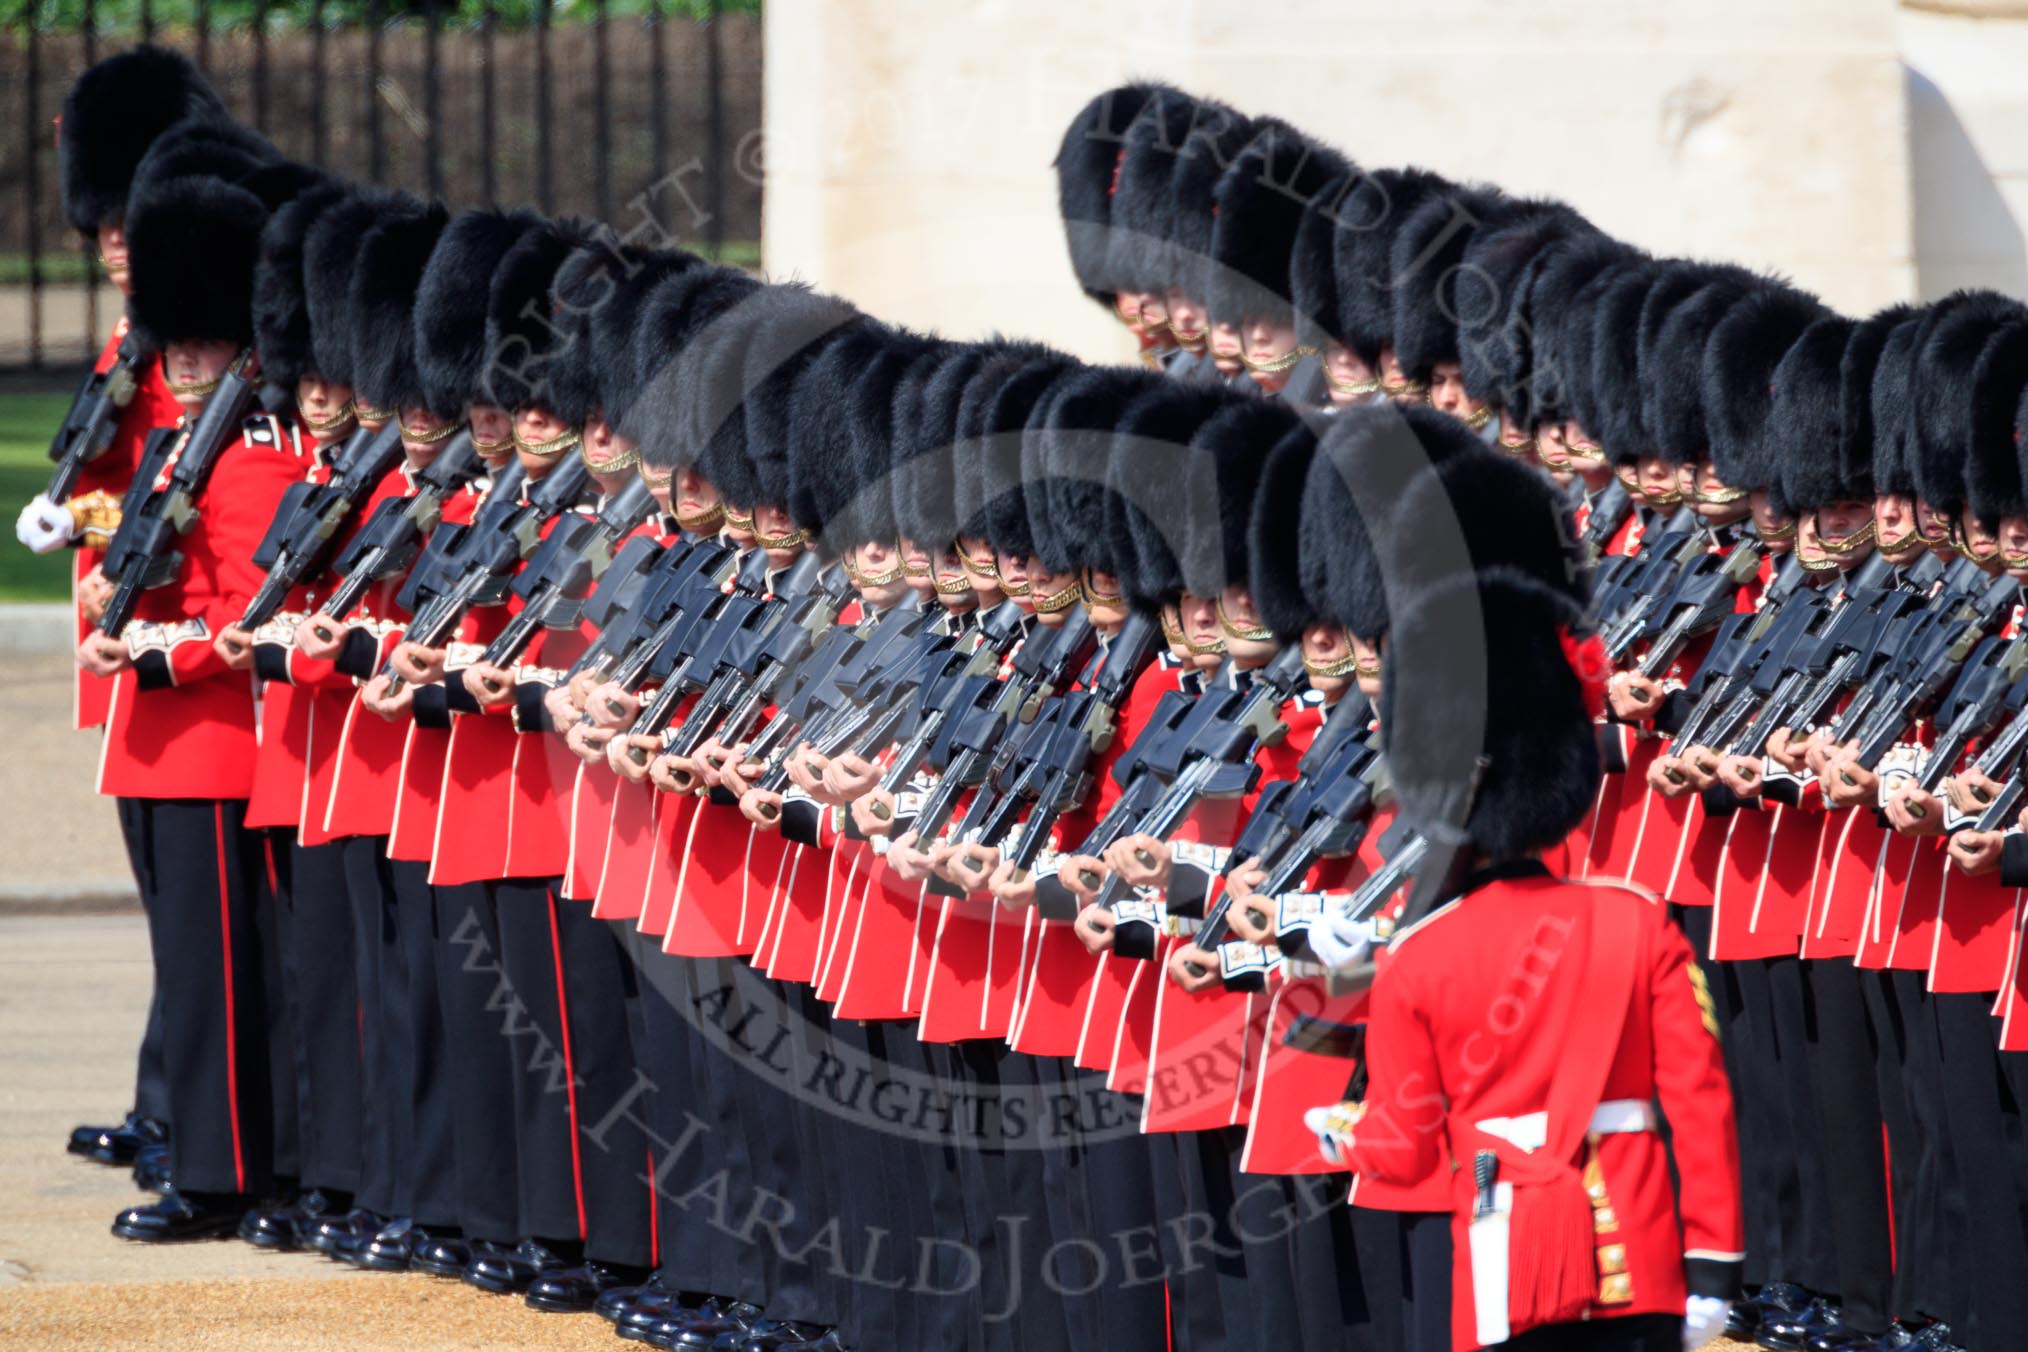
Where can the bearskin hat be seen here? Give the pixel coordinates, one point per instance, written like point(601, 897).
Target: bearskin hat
point(1947, 349)
point(585, 283)
point(1237, 439)
point(1313, 264)
point(1737, 376)
point(1805, 421)
point(1575, 343)
point(521, 330)
point(1274, 538)
point(450, 305)
point(1489, 708)
point(1425, 262)
point(870, 419)
point(824, 465)
point(1545, 294)
point(1874, 397)
point(111, 117)
point(1493, 351)
point(618, 382)
point(1086, 162)
point(1369, 216)
point(207, 147)
point(330, 248)
point(996, 470)
point(192, 244)
point(1138, 256)
point(985, 452)
point(1993, 466)
point(1213, 144)
point(281, 312)
point(1678, 313)
point(919, 453)
point(1613, 381)
point(1261, 200)
point(687, 405)
point(777, 334)
point(1157, 486)
point(385, 277)
point(1067, 450)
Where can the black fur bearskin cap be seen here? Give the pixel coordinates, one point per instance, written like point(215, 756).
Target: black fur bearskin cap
point(111, 117)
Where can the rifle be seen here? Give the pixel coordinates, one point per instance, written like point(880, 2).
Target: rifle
point(1645, 589)
point(1608, 514)
point(393, 535)
point(561, 570)
point(1919, 687)
point(143, 553)
point(94, 415)
point(1995, 681)
point(484, 558)
point(1704, 596)
point(311, 515)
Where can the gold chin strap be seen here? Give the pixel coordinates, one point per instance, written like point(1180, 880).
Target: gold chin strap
point(1094, 597)
point(488, 449)
point(1012, 588)
point(886, 577)
point(1404, 389)
point(1908, 544)
point(1724, 497)
point(1847, 544)
point(1477, 421)
point(1823, 565)
point(1193, 339)
point(332, 423)
point(555, 446)
point(1258, 633)
point(1589, 455)
point(955, 586)
point(738, 520)
point(1524, 447)
point(911, 568)
point(705, 522)
point(1343, 666)
point(367, 413)
point(1274, 365)
point(408, 433)
point(624, 460)
point(1368, 667)
point(195, 387)
point(795, 539)
point(1357, 388)
point(1672, 498)
point(656, 478)
point(1063, 598)
point(1777, 534)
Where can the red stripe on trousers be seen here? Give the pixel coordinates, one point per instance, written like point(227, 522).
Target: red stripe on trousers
point(569, 1069)
point(654, 1216)
point(231, 1017)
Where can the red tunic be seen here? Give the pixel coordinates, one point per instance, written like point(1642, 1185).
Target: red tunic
point(182, 722)
point(1608, 1006)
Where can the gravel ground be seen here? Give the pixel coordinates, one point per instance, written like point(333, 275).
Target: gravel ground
point(59, 841)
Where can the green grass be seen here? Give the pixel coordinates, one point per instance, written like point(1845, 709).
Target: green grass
point(27, 421)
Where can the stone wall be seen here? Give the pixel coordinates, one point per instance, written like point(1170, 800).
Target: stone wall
point(909, 142)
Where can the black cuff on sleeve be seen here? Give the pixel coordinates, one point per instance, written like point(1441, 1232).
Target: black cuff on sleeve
point(432, 707)
point(532, 714)
point(2014, 859)
point(802, 822)
point(356, 654)
point(1675, 709)
point(457, 696)
point(152, 672)
point(271, 663)
point(1719, 801)
point(1716, 1277)
point(1188, 886)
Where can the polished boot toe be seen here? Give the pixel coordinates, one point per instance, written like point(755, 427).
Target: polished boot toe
point(701, 1331)
point(392, 1248)
point(615, 1301)
point(442, 1256)
point(182, 1216)
point(573, 1290)
point(508, 1272)
point(119, 1145)
point(1789, 1331)
point(772, 1335)
point(151, 1167)
point(332, 1235)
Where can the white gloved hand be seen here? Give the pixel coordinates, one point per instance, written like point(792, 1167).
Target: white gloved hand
point(43, 526)
point(1703, 1320)
point(1337, 940)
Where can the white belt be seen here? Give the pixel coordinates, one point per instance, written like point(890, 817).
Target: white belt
point(1530, 1131)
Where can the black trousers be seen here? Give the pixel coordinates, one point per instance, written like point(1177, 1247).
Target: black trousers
point(319, 968)
point(1633, 1333)
point(1849, 1134)
point(274, 918)
point(571, 1063)
point(386, 1039)
point(432, 1158)
point(151, 1083)
point(1809, 1246)
point(473, 996)
point(1930, 1252)
point(1985, 1135)
point(200, 870)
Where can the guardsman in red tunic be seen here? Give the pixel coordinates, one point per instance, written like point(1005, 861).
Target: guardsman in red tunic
point(312, 912)
point(181, 737)
point(110, 117)
point(1534, 1083)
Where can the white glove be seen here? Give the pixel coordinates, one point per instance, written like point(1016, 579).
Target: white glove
point(1703, 1320)
point(1337, 940)
point(43, 526)
point(1333, 1125)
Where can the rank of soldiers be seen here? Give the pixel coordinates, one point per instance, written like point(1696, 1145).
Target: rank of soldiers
point(1470, 800)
